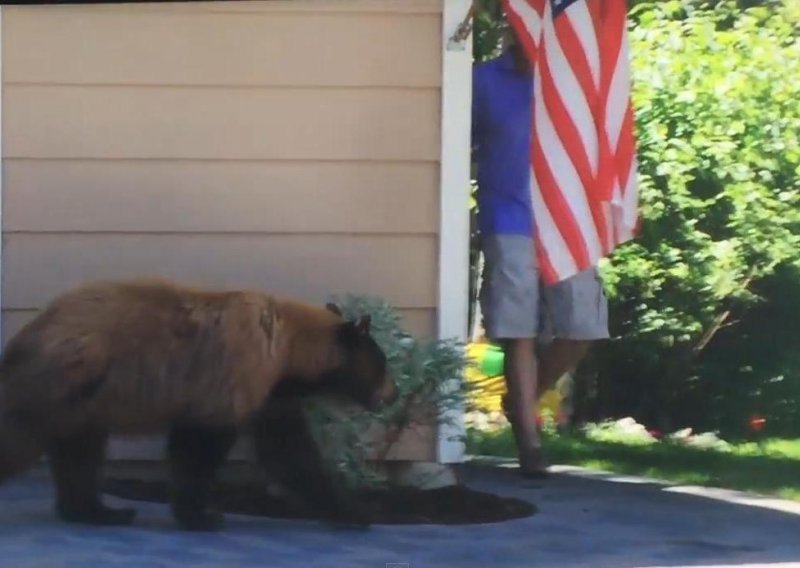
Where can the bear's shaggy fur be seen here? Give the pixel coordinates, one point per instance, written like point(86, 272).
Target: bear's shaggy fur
point(146, 356)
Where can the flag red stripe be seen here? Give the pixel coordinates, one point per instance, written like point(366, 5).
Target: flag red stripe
point(610, 44)
point(613, 177)
point(625, 150)
point(547, 271)
point(537, 5)
point(558, 206)
point(571, 140)
point(606, 172)
point(529, 43)
point(567, 131)
point(573, 50)
point(600, 186)
point(596, 11)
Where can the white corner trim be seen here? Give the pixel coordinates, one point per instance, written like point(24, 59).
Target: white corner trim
point(453, 298)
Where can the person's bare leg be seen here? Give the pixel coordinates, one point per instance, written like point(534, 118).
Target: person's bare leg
point(557, 358)
point(520, 371)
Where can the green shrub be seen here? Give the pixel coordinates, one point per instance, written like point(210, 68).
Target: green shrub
point(717, 117)
point(430, 378)
point(717, 106)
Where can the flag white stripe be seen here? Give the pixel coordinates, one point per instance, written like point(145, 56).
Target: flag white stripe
point(619, 214)
point(570, 92)
point(551, 239)
point(608, 218)
point(624, 207)
point(630, 198)
point(565, 174)
point(532, 20)
point(615, 208)
point(582, 23)
point(619, 93)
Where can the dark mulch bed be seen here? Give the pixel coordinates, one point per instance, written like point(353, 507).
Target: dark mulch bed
point(454, 505)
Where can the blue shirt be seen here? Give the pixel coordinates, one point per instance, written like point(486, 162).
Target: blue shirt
point(501, 140)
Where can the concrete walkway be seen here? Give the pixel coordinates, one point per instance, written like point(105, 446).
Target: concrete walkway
point(584, 520)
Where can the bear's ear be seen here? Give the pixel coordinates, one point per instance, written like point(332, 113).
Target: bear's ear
point(331, 307)
point(363, 323)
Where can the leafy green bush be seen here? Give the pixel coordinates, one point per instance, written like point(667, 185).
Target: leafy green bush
point(430, 377)
point(717, 106)
point(718, 117)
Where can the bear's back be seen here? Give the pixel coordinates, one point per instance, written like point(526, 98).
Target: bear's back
point(138, 350)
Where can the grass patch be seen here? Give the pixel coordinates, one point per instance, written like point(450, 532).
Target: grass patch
point(770, 468)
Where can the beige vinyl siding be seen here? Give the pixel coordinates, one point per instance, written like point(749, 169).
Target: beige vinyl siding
point(212, 123)
point(275, 46)
point(286, 263)
point(284, 145)
point(44, 195)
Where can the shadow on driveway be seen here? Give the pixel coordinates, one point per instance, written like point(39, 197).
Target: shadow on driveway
point(584, 520)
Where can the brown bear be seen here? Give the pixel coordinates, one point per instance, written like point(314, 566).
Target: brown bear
point(144, 356)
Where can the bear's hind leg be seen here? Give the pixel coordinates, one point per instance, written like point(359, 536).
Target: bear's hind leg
point(76, 464)
point(20, 447)
point(195, 454)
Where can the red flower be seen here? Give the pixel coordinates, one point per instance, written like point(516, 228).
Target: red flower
point(757, 423)
point(655, 433)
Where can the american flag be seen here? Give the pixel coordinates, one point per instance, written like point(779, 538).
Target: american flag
point(583, 155)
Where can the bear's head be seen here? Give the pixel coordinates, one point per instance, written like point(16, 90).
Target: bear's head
point(356, 366)
point(363, 374)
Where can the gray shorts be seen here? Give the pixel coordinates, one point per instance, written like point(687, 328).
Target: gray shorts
point(516, 305)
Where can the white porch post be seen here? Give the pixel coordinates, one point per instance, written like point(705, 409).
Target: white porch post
point(453, 298)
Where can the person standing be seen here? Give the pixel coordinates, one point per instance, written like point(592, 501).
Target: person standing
point(517, 308)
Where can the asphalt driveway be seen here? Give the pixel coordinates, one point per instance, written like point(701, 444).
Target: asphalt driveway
point(585, 520)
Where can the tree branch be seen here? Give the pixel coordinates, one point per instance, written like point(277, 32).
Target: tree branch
point(719, 321)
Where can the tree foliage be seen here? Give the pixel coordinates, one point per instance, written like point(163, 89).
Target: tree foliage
point(717, 107)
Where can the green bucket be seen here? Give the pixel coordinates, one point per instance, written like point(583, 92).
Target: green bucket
point(491, 363)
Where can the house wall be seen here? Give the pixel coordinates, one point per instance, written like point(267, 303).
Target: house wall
point(285, 145)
